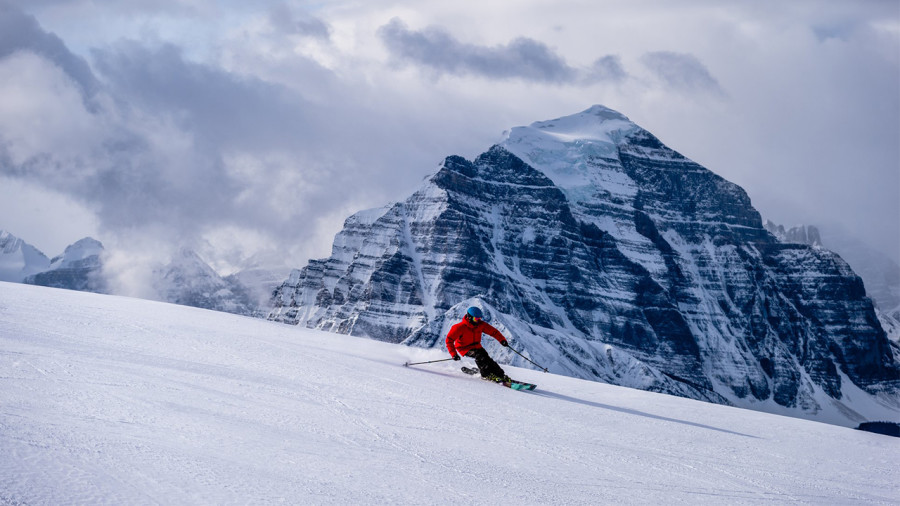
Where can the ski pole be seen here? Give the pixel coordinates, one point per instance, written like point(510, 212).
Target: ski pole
point(407, 364)
point(528, 359)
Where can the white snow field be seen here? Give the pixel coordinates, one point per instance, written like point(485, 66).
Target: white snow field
point(111, 400)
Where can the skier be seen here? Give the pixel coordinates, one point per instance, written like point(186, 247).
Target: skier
point(464, 338)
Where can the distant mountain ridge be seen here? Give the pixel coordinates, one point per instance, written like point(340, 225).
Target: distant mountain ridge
point(186, 279)
point(606, 255)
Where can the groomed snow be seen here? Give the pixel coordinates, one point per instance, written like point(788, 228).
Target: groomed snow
point(111, 400)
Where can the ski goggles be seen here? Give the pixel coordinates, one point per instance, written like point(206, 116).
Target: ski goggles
point(475, 319)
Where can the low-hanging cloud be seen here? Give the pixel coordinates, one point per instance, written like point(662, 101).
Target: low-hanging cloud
point(185, 149)
point(156, 146)
point(523, 58)
point(681, 72)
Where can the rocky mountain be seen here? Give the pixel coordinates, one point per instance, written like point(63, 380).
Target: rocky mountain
point(879, 273)
point(80, 267)
point(18, 259)
point(606, 255)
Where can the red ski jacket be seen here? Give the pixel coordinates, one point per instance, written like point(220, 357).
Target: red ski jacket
point(465, 336)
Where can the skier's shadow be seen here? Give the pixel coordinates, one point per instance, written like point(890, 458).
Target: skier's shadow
point(554, 395)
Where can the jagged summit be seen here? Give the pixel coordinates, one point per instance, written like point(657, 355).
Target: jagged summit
point(607, 255)
point(801, 234)
point(18, 259)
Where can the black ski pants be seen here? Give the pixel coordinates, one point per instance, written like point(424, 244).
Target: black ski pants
point(485, 363)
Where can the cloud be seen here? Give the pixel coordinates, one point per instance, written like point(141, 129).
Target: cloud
point(222, 107)
point(284, 19)
point(178, 150)
point(21, 32)
point(681, 72)
point(523, 58)
point(42, 110)
point(606, 69)
point(156, 151)
point(274, 121)
point(198, 147)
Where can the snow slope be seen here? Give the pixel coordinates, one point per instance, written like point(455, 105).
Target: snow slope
point(111, 400)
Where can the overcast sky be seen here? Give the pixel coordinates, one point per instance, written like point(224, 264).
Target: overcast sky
point(240, 128)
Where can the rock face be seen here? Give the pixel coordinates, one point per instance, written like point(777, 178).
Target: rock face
point(605, 255)
point(880, 274)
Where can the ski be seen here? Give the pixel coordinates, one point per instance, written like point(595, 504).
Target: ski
point(513, 384)
point(519, 385)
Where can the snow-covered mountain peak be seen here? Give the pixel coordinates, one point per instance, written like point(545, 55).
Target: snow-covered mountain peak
point(597, 123)
point(77, 252)
point(593, 132)
point(570, 150)
point(18, 259)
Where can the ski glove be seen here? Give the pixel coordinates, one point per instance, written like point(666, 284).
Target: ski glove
point(455, 357)
point(505, 344)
